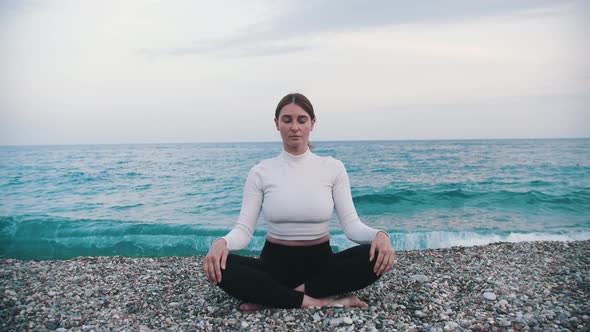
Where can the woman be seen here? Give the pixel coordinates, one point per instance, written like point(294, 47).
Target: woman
point(298, 192)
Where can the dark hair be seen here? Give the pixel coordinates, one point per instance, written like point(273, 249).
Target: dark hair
point(299, 100)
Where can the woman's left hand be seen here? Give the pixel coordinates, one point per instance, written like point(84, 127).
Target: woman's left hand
point(385, 253)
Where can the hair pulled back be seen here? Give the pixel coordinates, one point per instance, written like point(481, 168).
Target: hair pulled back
point(299, 100)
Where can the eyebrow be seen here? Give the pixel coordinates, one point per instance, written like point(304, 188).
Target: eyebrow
point(290, 116)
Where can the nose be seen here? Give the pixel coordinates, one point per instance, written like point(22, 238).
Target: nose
point(294, 126)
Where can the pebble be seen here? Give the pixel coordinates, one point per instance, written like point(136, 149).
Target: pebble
point(501, 303)
point(428, 290)
point(420, 314)
point(490, 296)
point(419, 278)
point(451, 326)
point(335, 321)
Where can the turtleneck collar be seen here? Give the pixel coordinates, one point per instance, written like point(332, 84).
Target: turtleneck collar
point(293, 158)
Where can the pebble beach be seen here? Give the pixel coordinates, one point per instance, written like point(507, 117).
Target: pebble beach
point(527, 286)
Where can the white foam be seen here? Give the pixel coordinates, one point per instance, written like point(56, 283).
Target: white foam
point(445, 239)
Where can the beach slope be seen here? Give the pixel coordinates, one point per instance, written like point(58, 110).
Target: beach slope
point(538, 286)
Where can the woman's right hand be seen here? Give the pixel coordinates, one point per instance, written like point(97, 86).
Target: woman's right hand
point(215, 260)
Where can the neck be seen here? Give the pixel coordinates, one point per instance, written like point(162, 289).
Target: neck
point(296, 151)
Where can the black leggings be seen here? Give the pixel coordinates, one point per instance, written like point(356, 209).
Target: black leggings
point(270, 279)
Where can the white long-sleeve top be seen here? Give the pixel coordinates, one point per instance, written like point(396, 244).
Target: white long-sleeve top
point(298, 195)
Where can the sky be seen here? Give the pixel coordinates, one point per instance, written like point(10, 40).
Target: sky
point(114, 72)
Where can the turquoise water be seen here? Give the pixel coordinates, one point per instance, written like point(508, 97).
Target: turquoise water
point(59, 202)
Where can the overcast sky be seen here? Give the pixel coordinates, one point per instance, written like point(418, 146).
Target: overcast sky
point(83, 72)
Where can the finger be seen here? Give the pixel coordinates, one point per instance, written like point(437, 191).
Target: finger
point(383, 268)
point(205, 268)
point(217, 271)
point(212, 273)
point(385, 264)
point(379, 262)
point(208, 271)
point(389, 263)
point(223, 259)
point(372, 251)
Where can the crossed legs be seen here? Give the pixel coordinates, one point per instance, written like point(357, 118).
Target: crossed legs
point(298, 281)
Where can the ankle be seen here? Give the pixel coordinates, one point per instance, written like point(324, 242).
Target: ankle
point(309, 301)
point(300, 288)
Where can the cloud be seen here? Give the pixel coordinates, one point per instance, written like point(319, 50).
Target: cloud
point(305, 20)
point(242, 46)
point(345, 16)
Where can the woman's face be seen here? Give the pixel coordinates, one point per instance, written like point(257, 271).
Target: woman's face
point(294, 124)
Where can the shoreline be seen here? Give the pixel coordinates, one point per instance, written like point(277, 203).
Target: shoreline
point(542, 286)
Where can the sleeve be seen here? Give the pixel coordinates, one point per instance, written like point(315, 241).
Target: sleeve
point(239, 237)
point(353, 228)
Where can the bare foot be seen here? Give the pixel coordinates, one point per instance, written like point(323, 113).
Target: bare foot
point(350, 301)
point(250, 307)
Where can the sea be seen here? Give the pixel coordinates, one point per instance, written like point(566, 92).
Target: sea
point(154, 200)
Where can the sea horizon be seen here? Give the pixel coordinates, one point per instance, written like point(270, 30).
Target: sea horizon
point(166, 199)
point(311, 140)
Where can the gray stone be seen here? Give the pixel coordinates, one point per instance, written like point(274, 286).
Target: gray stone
point(335, 321)
point(347, 320)
point(501, 303)
point(490, 296)
point(451, 326)
point(420, 314)
point(419, 278)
